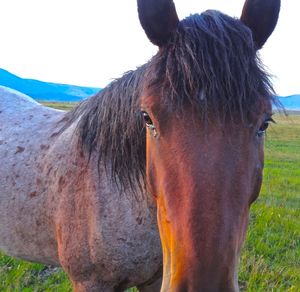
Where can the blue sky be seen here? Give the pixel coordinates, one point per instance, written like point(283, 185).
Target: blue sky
point(91, 42)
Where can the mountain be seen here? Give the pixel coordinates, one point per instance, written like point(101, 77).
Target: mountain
point(45, 91)
point(291, 102)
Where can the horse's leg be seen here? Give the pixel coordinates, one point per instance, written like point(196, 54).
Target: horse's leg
point(153, 287)
point(92, 286)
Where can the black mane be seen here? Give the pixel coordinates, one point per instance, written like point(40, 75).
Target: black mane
point(209, 53)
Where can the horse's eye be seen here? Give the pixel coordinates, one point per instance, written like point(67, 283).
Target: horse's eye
point(264, 127)
point(149, 124)
point(147, 119)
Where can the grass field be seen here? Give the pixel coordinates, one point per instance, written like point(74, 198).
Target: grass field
point(60, 105)
point(271, 257)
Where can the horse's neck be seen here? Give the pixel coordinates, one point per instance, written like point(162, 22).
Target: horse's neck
point(59, 155)
point(73, 163)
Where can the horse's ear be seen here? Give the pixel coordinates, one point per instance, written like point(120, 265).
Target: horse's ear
point(158, 18)
point(261, 17)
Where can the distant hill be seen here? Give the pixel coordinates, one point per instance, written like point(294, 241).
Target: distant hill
point(291, 102)
point(46, 91)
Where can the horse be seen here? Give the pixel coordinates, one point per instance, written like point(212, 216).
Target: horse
point(149, 182)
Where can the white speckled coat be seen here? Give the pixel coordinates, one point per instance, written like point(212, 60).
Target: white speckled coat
point(55, 208)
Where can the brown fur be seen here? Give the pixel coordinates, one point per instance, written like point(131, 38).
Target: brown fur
point(62, 183)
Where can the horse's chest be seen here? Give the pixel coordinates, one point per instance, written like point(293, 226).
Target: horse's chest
point(118, 237)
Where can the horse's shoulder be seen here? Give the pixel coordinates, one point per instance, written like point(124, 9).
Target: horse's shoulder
point(11, 97)
point(16, 104)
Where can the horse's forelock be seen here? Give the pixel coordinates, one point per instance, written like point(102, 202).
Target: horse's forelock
point(210, 55)
point(210, 62)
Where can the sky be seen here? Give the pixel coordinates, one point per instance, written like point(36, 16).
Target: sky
point(91, 42)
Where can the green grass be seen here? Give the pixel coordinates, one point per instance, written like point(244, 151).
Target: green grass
point(271, 257)
point(270, 260)
point(59, 105)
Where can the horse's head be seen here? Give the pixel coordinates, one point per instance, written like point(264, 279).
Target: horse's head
point(206, 103)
